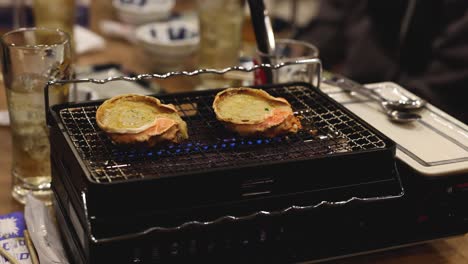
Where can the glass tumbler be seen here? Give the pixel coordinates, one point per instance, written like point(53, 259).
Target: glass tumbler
point(31, 57)
point(289, 50)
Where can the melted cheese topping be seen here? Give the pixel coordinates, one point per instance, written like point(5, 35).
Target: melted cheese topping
point(129, 114)
point(247, 108)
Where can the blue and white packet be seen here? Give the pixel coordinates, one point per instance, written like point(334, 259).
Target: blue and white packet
point(12, 228)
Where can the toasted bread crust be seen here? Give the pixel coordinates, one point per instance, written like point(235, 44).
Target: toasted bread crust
point(162, 124)
point(276, 121)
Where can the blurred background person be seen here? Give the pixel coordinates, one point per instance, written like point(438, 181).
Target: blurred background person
point(421, 45)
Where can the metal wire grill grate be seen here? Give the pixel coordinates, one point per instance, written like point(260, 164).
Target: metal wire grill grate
point(327, 130)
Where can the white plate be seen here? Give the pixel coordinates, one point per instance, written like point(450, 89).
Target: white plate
point(436, 145)
point(177, 33)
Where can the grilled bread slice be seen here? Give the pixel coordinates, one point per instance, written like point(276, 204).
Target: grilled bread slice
point(254, 112)
point(142, 120)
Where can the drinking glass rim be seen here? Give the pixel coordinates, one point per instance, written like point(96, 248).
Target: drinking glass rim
point(65, 37)
point(289, 41)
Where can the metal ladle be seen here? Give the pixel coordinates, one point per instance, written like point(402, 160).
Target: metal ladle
point(396, 110)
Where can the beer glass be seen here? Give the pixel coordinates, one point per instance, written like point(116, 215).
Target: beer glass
point(220, 37)
point(31, 57)
point(55, 14)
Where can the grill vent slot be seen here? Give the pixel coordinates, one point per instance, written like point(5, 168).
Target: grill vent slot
point(256, 187)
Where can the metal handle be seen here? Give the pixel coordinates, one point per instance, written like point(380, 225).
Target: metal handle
point(351, 86)
point(263, 32)
point(182, 73)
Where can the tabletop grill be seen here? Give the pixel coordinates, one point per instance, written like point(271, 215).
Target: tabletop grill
point(110, 197)
point(327, 130)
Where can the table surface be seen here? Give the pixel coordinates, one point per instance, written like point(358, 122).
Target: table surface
point(453, 250)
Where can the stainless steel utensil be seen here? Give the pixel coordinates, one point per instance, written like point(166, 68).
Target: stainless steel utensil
point(396, 110)
point(404, 103)
point(402, 116)
point(264, 34)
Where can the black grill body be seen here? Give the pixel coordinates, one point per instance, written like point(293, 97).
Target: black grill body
point(190, 200)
